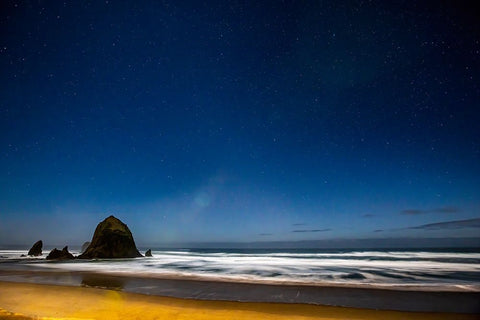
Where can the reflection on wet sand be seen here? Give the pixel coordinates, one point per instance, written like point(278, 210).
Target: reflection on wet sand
point(102, 281)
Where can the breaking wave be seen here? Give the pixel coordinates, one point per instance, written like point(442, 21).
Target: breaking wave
point(312, 267)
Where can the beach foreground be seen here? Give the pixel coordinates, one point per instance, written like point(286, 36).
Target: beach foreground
point(24, 301)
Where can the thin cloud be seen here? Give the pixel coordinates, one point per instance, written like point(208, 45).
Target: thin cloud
point(265, 234)
point(448, 225)
point(378, 230)
point(311, 230)
point(298, 224)
point(413, 211)
point(437, 210)
point(368, 215)
point(447, 210)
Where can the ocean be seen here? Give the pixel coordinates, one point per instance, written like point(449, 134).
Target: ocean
point(457, 268)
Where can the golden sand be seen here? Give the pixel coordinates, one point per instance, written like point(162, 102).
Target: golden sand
point(26, 301)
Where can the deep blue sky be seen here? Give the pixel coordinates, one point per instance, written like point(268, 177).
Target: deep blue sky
point(232, 121)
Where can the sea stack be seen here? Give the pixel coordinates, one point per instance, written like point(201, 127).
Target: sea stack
point(148, 253)
point(36, 249)
point(112, 239)
point(63, 254)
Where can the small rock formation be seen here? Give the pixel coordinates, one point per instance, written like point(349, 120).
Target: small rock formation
point(36, 249)
point(148, 253)
point(56, 254)
point(85, 246)
point(112, 239)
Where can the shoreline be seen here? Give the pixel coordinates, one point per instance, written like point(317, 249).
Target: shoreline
point(213, 290)
point(409, 287)
point(30, 301)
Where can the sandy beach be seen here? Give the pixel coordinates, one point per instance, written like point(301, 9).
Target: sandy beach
point(38, 301)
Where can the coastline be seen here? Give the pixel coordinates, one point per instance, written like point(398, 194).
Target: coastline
point(19, 271)
point(27, 301)
point(456, 301)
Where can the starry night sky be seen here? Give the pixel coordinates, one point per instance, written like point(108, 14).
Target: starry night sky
point(239, 121)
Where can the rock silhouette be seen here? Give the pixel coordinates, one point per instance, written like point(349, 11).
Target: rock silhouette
point(36, 249)
point(112, 239)
point(63, 254)
point(148, 253)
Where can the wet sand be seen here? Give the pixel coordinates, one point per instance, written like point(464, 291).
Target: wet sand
point(458, 301)
point(25, 300)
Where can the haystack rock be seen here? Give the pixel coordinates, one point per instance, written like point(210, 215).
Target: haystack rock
point(112, 239)
point(56, 254)
point(148, 253)
point(36, 249)
point(85, 246)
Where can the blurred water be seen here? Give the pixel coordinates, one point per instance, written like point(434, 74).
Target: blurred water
point(388, 268)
